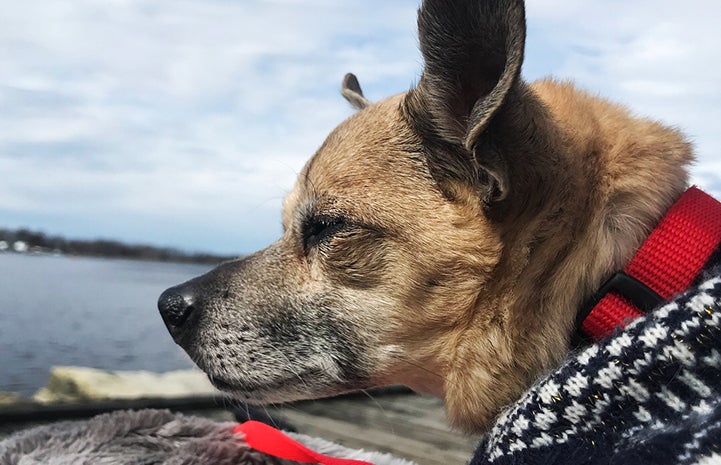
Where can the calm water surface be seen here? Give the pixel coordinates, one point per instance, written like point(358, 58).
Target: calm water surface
point(83, 311)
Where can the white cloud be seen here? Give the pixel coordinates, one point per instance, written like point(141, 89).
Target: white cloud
point(204, 109)
point(661, 58)
point(185, 121)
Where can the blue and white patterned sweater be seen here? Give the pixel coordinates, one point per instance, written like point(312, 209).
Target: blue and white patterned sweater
point(650, 394)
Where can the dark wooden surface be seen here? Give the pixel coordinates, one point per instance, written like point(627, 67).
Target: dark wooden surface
point(393, 421)
point(406, 425)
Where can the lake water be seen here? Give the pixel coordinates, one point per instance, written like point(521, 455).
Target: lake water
point(101, 313)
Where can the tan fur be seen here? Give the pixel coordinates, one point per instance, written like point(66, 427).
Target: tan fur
point(397, 266)
point(623, 173)
point(510, 293)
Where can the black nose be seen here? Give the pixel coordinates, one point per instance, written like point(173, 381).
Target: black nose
point(176, 305)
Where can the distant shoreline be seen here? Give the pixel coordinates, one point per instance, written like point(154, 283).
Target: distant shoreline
point(26, 241)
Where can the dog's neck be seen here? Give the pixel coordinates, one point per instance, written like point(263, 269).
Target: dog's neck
point(613, 179)
point(667, 263)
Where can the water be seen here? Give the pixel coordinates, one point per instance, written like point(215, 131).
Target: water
point(83, 311)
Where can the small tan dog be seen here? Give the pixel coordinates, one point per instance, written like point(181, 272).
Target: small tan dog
point(442, 238)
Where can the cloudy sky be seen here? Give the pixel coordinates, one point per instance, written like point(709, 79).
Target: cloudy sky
point(184, 122)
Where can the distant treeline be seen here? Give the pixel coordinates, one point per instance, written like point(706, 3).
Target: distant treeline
point(39, 242)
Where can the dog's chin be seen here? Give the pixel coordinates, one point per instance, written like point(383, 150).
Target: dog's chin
point(282, 390)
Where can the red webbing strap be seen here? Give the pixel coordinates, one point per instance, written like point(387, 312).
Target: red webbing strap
point(271, 441)
point(668, 262)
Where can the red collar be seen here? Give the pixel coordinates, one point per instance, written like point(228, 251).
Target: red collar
point(665, 265)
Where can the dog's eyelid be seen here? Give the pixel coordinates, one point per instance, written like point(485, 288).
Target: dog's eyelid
point(317, 229)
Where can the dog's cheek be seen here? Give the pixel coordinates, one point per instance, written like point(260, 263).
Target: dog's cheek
point(351, 349)
point(315, 329)
point(355, 259)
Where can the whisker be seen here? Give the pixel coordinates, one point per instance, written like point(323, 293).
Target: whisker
point(270, 417)
point(289, 365)
point(382, 409)
point(412, 362)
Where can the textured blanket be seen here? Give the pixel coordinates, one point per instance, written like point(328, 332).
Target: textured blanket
point(153, 437)
point(650, 394)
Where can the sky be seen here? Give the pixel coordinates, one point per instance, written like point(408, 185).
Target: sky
point(183, 123)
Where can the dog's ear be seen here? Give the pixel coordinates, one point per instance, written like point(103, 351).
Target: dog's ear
point(473, 51)
point(351, 90)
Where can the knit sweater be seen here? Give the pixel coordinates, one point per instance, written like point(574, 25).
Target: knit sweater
point(649, 394)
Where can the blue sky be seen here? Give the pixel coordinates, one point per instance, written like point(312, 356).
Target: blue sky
point(184, 122)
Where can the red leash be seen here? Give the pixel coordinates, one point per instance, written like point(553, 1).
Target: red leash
point(271, 441)
point(665, 265)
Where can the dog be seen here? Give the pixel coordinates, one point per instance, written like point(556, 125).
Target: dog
point(443, 238)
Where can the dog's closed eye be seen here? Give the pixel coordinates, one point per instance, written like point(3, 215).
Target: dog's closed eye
point(319, 229)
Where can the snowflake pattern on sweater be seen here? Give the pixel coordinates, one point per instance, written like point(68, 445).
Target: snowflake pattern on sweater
point(650, 394)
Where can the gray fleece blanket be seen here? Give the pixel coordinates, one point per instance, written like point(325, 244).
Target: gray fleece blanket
point(153, 437)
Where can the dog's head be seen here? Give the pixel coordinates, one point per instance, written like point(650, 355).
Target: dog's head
point(404, 241)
